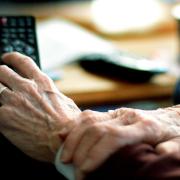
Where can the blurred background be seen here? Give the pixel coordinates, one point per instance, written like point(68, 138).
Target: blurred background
point(67, 28)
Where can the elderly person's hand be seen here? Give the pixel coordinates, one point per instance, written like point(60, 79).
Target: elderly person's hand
point(91, 142)
point(32, 110)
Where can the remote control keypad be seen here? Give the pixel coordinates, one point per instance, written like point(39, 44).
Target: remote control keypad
point(17, 33)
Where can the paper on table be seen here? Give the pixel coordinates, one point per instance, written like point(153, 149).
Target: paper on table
point(61, 42)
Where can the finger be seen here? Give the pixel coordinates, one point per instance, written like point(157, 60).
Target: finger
point(67, 128)
point(5, 94)
point(97, 116)
point(89, 139)
point(171, 146)
point(86, 119)
point(71, 143)
point(9, 78)
point(109, 144)
point(23, 64)
point(129, 116)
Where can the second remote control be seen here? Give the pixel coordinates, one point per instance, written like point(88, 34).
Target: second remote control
point(18, 33)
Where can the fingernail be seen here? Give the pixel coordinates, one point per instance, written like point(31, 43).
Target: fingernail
point(86, 165)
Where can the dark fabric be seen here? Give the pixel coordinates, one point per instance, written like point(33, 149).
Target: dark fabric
point(176, 95)
point(13, 163)
point(138, 162)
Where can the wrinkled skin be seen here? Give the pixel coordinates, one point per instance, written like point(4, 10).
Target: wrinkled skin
point(90, 142)
point(36, 117)
point(32, 110)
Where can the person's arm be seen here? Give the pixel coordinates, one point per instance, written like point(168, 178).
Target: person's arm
point(36, 117)
point(32, 110)
point(90, 143)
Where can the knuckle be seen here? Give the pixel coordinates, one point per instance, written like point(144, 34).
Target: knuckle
point(24, 59)
point(87, 112)
point(4, 68)
point(87, 115)
point(121, 111)
point(43, 78)
point(88, 120)
point(29, 86)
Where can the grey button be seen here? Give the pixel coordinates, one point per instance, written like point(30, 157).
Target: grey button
point(13, 30)
point(18, 43)
point(19, 49)
point(22, 35)
point(4, 41)
point(12, 35)
point(29, 50)
point(31, 41)
point(21, 30)
point(7, 48)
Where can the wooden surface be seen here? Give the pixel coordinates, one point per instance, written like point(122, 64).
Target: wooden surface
point(86, 88)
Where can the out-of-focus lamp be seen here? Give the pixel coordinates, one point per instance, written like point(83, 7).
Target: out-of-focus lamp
point(121, 16)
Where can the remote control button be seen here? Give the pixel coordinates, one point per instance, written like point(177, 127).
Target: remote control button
point(13, 35)
point(31, 41)
point(12, 30)
point(5, 30)
point(4, 41)
point(12, 22)
point(29, 21)
point(18, 43)
point(21, 22)
point(7, 48)
point(29, 30)
point(21, 30)
point(22, 35)
point(30, 35)
point(3, 21)
point(29, 50)
point(19, 49)
point(5, 35)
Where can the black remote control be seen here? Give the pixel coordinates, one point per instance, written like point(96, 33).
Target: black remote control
point(122, 65)
point(18, 33)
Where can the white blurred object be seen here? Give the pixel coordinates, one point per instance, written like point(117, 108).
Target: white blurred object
point(119, 16)
point(176, 11)
point(61, 42)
